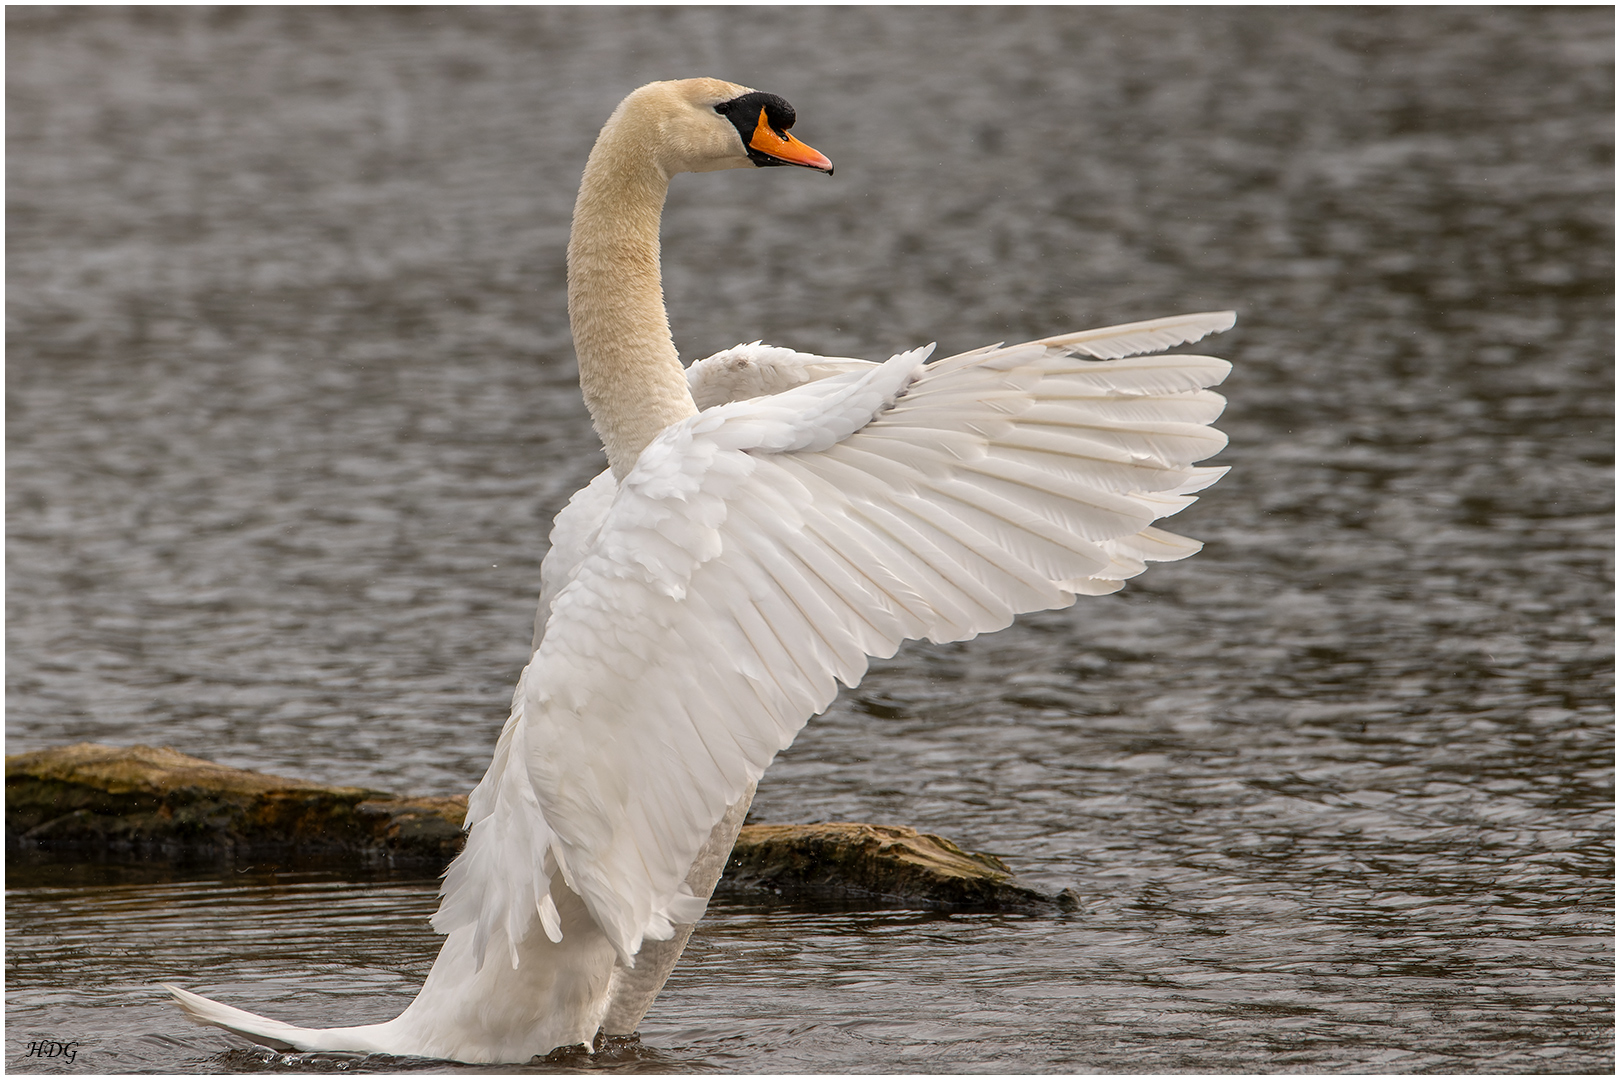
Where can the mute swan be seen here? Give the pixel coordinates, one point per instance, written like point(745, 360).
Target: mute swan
point(768, 521)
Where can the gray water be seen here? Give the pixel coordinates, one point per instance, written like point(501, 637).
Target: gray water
point(291, 403)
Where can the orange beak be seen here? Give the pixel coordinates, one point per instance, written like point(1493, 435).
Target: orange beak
point(784, 147)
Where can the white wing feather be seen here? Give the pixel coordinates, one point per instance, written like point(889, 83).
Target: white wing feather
point(736, 374)
point(751, 371)
point(765, 548)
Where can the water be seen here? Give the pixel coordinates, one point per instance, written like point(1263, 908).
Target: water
point(290, 404)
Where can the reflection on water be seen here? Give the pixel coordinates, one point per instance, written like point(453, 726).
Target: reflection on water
point(290, 404)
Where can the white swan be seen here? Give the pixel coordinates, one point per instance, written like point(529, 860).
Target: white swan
point(702, 596)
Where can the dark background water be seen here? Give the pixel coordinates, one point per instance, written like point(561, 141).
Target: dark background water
point(291, 403)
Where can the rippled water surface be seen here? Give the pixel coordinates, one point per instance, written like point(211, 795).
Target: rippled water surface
point(290, 404)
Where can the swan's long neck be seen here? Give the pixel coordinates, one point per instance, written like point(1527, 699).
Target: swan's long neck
point(629, 371)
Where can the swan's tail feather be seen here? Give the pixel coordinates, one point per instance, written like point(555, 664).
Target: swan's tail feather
point(273, 1033)
point(262, 1030)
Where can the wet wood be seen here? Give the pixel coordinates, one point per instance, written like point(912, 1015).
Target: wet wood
point(145, 803)
point(889, 863)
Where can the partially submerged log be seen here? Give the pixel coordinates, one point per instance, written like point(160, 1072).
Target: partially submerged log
point(887, 863)
point(157, 803)
point(142, 803)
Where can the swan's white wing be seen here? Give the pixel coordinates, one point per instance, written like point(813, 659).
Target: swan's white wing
point(737, 374)
point(573, 532)
point(751, 371)
point(763, 549)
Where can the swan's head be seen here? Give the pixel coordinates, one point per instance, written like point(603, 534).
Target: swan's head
point(703, 125)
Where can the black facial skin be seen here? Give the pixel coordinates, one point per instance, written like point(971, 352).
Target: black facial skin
point(743, 112)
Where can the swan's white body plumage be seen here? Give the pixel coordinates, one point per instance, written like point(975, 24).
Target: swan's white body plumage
point(810, 513)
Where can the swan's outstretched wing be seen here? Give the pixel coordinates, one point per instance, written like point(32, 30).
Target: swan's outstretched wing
point(764, 549)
